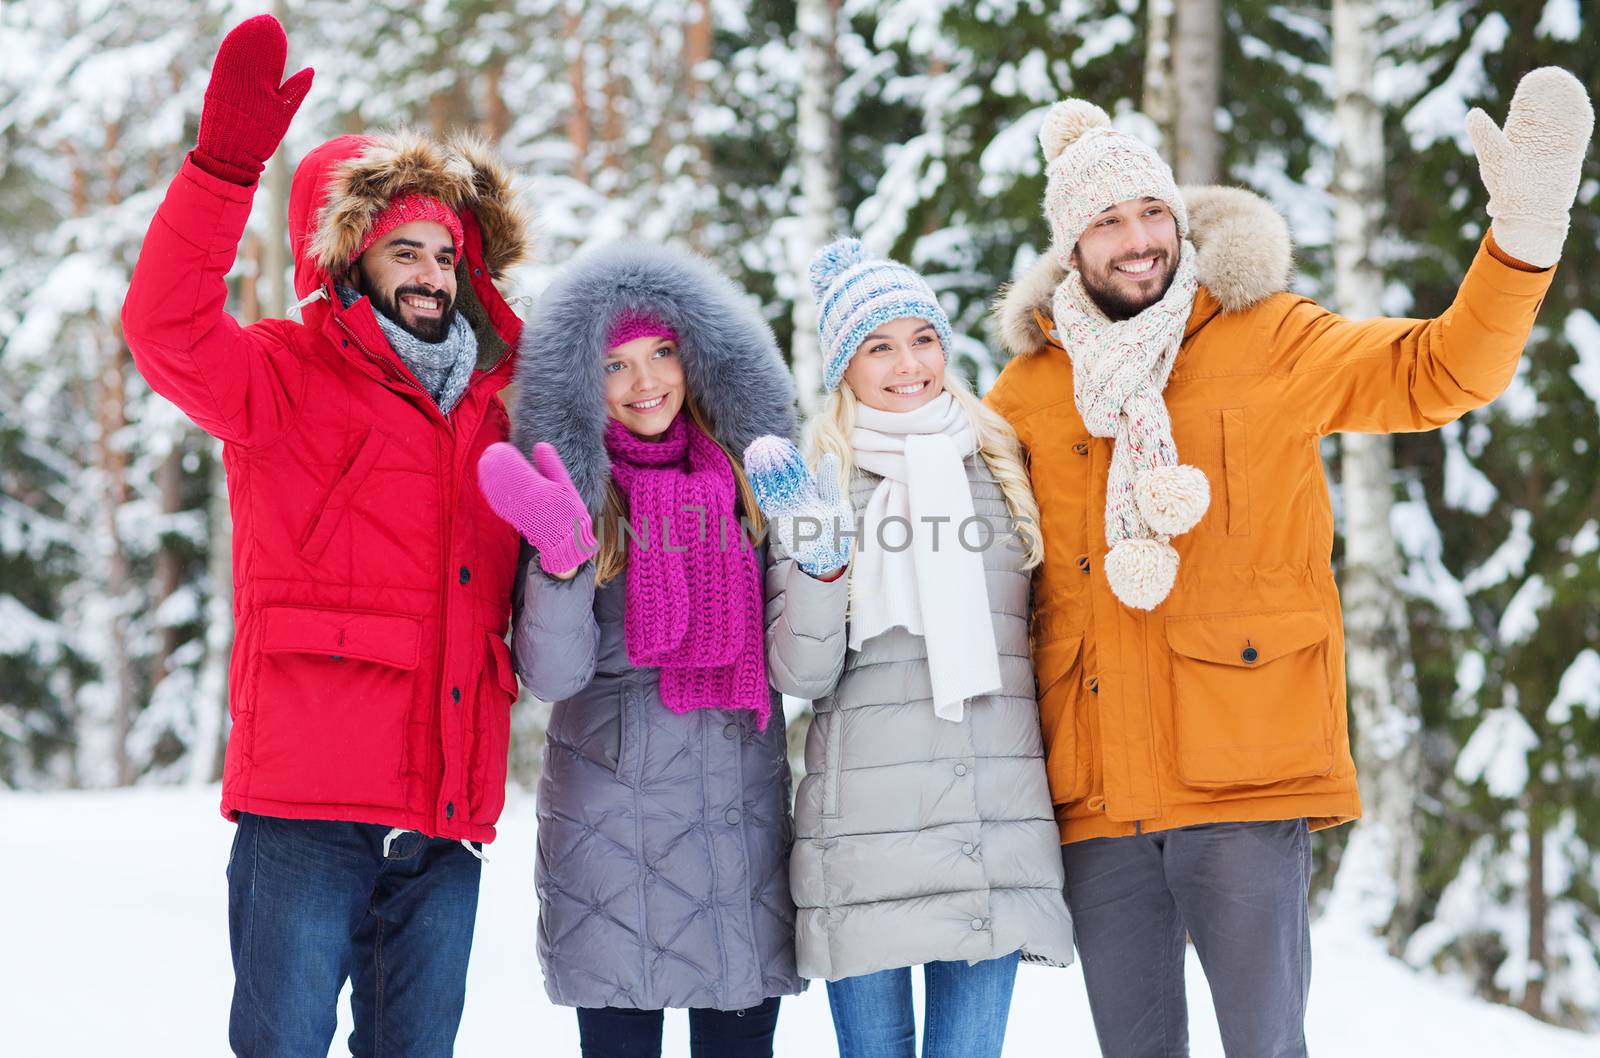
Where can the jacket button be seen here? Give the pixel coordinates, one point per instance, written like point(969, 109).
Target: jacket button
point(732, 816)
point(730, 730)
point(1249, 654)
point(455, 694)
point(961, 769)
point(1083, 563)
point(1081, 448)
point(966, 850)
point(466, 574)
point(449, 809)
point(977, 924)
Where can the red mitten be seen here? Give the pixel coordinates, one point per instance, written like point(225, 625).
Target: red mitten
point(247, 111)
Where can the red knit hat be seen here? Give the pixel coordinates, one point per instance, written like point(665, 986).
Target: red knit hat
point(404, 210)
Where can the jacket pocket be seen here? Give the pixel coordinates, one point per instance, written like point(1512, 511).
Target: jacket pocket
point(335, 505)
point(1251, 697)
point(1235, 464)
point(1058, 671)
point(333, 692)
point(833, 766)
point(497, 693)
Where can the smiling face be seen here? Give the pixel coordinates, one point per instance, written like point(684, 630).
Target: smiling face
point(1127, 256)
point(899, 367)
point(410, 276)
point(644, 385)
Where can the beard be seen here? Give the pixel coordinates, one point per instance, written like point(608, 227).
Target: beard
point(1114, 299)
point(431, 331)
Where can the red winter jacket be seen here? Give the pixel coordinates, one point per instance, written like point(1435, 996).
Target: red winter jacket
point(370, 679)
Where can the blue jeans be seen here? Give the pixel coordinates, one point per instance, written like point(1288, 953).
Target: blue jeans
point(311, 903)
point(966, 1013)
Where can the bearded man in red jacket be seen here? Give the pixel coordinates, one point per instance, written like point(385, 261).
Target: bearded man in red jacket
point(370, 684)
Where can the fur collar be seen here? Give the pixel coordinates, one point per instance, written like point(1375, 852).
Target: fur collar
point(1243, 254)
point(463, 173)
point(730, 357)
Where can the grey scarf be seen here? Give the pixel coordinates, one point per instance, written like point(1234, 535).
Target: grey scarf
point(443, 368)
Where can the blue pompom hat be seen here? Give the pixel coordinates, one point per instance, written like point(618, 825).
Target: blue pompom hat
point(856, 292)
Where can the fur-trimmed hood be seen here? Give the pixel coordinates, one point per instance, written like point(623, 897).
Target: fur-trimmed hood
point(730, 358)
point(1242, 252)
point(341, 186)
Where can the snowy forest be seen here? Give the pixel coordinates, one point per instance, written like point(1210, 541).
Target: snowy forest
point(755, 130)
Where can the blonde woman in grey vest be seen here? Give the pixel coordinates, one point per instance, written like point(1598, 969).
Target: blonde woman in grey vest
point(924, 834)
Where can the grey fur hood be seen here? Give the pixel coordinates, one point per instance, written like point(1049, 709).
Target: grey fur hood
point(730, 358)
point(1242, 252)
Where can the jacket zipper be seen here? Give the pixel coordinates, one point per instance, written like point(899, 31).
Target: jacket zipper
point(448, 514)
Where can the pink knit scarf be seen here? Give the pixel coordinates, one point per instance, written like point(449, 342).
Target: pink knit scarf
point(694, 606)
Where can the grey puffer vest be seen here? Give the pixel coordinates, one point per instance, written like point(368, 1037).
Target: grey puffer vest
point(663, 838)
point(916, 839)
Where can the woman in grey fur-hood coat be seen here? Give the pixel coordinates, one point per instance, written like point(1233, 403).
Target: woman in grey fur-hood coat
point(663, 837)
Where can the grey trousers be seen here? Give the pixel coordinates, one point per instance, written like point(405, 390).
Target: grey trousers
point(1239, 890)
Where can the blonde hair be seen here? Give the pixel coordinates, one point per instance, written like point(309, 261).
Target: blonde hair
point(829, 433)
point(612, 557)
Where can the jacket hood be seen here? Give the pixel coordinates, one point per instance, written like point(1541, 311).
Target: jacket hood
point(730, 359)
point(1242, 251)
point(341, 186)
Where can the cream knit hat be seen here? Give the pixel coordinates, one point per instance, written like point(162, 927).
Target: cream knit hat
point(1090, 167)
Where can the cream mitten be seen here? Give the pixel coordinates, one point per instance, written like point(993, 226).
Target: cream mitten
point(1532, 168)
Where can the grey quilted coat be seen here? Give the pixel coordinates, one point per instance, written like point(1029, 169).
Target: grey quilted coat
point(916, 839)
point(663, 852)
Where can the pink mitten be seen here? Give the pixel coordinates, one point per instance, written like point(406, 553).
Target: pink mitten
point(539, 500)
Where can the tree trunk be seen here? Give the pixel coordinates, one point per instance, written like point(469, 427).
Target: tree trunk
point(111, 463)
point(169, 570)
point(696, 50)
point(611, 107)
point(496, 115)
point(817, 145)
point(1197, 81)
point(1381, 688)
point(211, 691)
point(580, 126)
point(1538, 910)
point(1159, 103)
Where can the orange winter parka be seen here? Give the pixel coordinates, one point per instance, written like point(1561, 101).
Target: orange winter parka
point(1227, 701)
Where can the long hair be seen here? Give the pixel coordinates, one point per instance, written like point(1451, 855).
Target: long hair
point(612, 557)
point(829, 432)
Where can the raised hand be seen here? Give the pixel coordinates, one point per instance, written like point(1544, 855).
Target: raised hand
point(1532, 168)
point(247, 111)
point(540, 501)
point(807, 513)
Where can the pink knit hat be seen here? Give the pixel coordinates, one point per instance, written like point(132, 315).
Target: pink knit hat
point(404, 210)
point(630, 325)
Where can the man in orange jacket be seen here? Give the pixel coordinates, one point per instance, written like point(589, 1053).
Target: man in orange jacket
point(1171, 395)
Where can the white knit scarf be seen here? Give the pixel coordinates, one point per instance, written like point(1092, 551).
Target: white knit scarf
point(934, 587)
point(1119, 370)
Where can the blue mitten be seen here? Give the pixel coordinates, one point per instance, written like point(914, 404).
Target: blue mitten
point(808, 514)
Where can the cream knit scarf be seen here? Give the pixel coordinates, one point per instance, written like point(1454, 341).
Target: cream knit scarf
point(935, 587)
point(1119, 370)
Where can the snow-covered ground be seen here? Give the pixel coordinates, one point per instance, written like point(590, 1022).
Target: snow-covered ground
point(113, 941)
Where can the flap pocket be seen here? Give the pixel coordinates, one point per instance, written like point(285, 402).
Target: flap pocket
point(1246, 640)
point(1053, 660)
point(387, 639)
point(1252, 697)
point(1063, 718)
point(504, 671)
point(333, 509)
